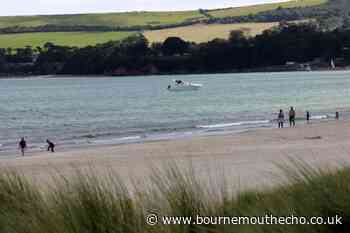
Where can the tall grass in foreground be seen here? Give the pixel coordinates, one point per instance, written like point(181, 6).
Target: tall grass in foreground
point(92, 204)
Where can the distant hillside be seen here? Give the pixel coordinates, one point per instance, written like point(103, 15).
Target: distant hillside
point(251, 10)
point(145, 19)
point(127, 19)
point(198, 25)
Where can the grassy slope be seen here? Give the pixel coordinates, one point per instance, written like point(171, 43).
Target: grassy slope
point(95, 204)
point(197, 33)
point(144, 18)
point(79, 39)
point(203, 33)
point(107, 19)
point(241, 11)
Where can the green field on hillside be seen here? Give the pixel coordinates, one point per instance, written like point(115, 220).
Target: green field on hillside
point(107, 19)
point(197, 32)
point(241, 11)
point(128, 19)
point(79, 39)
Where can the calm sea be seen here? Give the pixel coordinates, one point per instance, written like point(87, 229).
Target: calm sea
point(98, 110)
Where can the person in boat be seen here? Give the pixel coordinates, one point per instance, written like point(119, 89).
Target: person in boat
point(308, 116)
point(291, 117)
point(178, 82)
point(280, 119)
point(50, 146)
point(22, 145)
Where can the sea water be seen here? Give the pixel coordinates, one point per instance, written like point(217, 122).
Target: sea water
point(74, 111)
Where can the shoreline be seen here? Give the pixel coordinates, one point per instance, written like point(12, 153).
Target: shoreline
point(250, 159)
point(183, 135)
point(248, 71)
point(198, 131)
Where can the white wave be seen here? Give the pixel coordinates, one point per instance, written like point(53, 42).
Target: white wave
point(320, 117)
point(129, 138)
point(116, 140)
point(224, 125)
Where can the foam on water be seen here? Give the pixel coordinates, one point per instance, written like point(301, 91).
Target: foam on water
point(320, 117)
point(233, 124)
point(116, 140)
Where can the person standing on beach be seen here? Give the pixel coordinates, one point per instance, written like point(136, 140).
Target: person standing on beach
point(308, 116)
point(337, 115)
point(50, 146)
point(280, 119)
point(291, 117)
point(22, 145)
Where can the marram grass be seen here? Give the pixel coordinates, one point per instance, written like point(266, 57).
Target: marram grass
point(88, 203)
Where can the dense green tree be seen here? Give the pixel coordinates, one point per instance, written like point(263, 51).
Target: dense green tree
point(136, 45)
point(2, 59)
point(156, 48)
point(174, 46)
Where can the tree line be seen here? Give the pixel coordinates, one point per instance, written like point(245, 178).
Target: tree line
point(299, 43)
point(90, 28)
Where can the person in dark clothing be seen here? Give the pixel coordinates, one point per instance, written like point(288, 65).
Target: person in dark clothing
point(291, 117)
point(337, 115)
point(280, 119)
point(22, 145)
point(51, 146)
point(308, 116)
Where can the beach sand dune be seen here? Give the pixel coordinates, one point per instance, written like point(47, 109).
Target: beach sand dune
point(248, 159)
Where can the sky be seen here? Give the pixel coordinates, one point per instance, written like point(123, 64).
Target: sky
point(34, 7)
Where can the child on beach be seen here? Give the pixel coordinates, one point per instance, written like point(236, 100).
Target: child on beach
point(22, 145)
point(51, 146)
point(280, 119)
point(291, 117)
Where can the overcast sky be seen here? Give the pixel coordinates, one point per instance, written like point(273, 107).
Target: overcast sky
point(30, 7)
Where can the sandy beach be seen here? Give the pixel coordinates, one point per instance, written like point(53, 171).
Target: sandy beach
point(249, 159)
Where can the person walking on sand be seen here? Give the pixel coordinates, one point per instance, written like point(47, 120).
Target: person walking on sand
point(22, 145)
point(280, 119)
point(291, 117)
point(308, 116)
point(50, 146)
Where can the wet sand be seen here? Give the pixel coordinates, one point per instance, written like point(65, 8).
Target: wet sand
point(248, 160)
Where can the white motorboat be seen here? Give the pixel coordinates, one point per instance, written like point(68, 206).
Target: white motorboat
point(180, 85)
